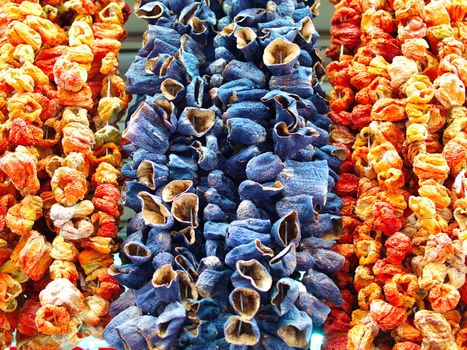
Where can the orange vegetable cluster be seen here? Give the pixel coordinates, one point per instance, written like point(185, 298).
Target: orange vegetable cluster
point(60, 97)
point(398, 103)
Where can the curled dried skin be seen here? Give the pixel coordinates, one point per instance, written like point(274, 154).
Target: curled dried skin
point(105, 174)
point(389, 109)
point(361, 115)
point(34, 256)
point(346, 14)
point(63, 269)
point(401, 69)
point(378, 88)
point(397, 246)
point(24, 134)
point(383, 157)
point(27, 315)
point(108, 109)
point(458, 120)
point(379, 66)
point(69, 75)
point(50, 33)
point(461, 338)
point(432, 274)
point(407, 8)
point(347, 184)
point(341, 98)
point(61, 292)
point(62, 250)
point(438, 248)
point(51, 319)
point(101, 47)
point(106, 199)
point(360, 337)
point(61, 215)
point(338, 74)
point(99, 244)
point(406, 346)
point(430, 165)
point(384, 270)
point(418, 89)
point(360, 77)
point(106, 30)
point(416, 133)
point(455, 64)
point(392, 179)
point(415, 49)
point(38, 76)
point(435, 14)
point(364, 205)
point(401, 290)
point(387, 316)
point(6, 201)
point(81, 54)
point(102, 284)
point(435, 330)
point(346, 34)
point(91, 260)
point(80, 33)
point(24, 106)
point(443, 298)
point(47, 57)
point(412, 29)
point(69, 186)
point(108, 153)
point(449, 90)
point(363, 277)
point(455, 153)
point(436, 192)
point(407, 332)
point(77, 138)
point(22, 9)
point(106, 224)
point(368, 294)
point(17, 79)
point(76, 161)
point(9, 290)
point(117, 88)
point(77, 229)
point(37, 342)
point(21, 217)
point(81, 98)
point(450, 46)
point(368, 251)
point(95, 308)
point(20, 33)
point(374, 20)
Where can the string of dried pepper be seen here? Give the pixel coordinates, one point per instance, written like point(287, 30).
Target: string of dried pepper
point(357, 30)
point(422, 265)
point(59, 168)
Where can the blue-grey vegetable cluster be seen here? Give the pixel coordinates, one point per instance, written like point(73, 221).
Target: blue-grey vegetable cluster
point(231, 179)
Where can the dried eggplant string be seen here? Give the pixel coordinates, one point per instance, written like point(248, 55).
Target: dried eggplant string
point(231, 180)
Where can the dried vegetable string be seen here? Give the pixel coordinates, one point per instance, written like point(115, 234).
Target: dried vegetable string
point(412, 291)
point(59, 168)
point(231, 180)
